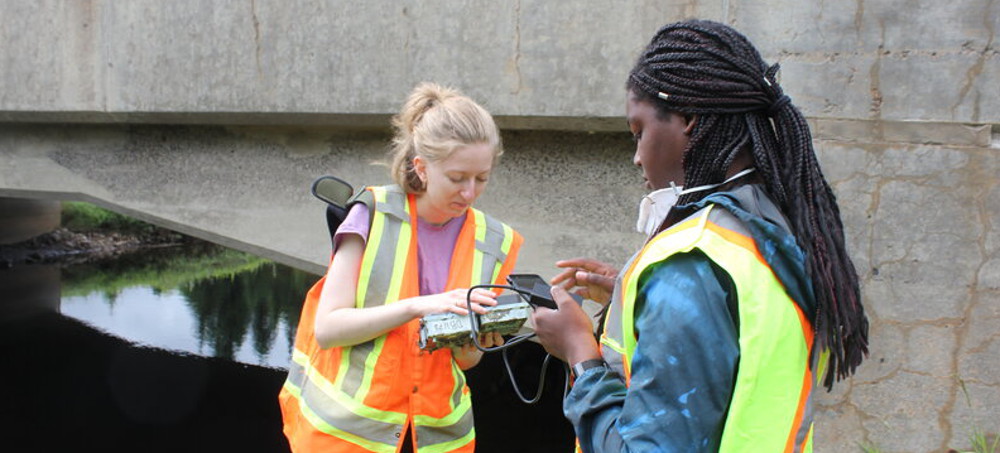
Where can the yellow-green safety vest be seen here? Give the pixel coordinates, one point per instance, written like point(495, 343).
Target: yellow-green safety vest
point(771, 407)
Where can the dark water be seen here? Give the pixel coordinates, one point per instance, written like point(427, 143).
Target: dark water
point(185, 350)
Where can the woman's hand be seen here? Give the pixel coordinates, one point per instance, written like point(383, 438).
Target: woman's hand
point(587, 277)
point(468, 356)
point(566, 333)
point(453, 301)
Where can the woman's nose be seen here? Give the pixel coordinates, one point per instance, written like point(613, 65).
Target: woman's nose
point(469, 190)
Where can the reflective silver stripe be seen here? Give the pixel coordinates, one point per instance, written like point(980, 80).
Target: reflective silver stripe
point(492, 249)
point(393, 216)
point(807, 415)
point(727, 220)
point(296, 375)
point(395, 203)
point(325, 407)
point(428, 436)
point(459, 378)
point(613, 324)
point(807, 423)
point(355, 374)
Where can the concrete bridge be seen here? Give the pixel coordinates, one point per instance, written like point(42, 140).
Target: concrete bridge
point(212, 118)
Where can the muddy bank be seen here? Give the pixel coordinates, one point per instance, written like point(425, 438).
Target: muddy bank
point(66, 246)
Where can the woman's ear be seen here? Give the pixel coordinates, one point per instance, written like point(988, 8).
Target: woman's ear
point(420, 168)
point(691, 120)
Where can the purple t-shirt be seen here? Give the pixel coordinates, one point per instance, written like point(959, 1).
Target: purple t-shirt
point(435, 244)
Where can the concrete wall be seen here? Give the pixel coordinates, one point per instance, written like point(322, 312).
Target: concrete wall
point(22, 219)
point(213, 117)
point(322, 61)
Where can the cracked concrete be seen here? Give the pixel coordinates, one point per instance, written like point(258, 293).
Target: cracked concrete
point(919, 218)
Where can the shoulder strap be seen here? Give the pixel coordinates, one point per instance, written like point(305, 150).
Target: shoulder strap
point(365, 197)
point(335, 214)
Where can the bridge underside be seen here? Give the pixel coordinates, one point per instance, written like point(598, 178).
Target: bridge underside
point(247, 187)
point(919, 203)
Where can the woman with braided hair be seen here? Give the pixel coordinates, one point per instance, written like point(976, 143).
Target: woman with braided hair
point(743, 299)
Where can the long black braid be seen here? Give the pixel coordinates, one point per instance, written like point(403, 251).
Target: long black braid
point(710, 70)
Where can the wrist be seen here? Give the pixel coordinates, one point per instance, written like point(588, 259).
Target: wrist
point(581, 367)
point(585, 348)
point(412, 308)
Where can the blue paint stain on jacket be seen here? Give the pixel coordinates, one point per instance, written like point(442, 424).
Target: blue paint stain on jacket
point(687, 353)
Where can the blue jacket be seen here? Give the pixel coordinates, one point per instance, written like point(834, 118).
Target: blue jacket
point(687, 302)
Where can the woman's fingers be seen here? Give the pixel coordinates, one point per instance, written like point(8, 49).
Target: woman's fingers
point(479, 299)
point(483, 297)
point(490, 339)
point(595, 279)
point(566, 278)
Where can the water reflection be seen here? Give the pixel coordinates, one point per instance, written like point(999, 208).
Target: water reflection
point(216, 303)
point(260, 302)
point(68, 341)
point(77, 379)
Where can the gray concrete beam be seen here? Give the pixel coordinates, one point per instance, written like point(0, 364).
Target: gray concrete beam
point(248, 187)
point(185, 60)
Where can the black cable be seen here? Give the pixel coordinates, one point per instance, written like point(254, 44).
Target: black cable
point(474, 334)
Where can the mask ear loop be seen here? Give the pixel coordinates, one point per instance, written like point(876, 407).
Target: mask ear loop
point(678, 191)
point(741, 174)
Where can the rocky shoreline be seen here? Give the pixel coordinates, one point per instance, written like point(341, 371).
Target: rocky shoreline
point(66, 246)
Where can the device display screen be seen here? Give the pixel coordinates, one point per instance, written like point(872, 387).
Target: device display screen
point(534, 289)
point(528, 282)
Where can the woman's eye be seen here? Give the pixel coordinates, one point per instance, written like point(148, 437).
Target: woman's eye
point(482, 179)
point(637, 136)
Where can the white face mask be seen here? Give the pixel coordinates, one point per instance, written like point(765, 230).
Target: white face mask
point(655, 206)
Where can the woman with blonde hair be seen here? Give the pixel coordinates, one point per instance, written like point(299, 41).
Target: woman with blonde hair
point(359, 381)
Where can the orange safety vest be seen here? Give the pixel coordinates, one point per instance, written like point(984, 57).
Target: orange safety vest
point(364, 397)
point(771, 407)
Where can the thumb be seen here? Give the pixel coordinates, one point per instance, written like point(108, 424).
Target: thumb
point(560, 295)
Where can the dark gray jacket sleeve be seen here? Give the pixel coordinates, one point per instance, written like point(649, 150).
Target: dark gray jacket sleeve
point(683, 369)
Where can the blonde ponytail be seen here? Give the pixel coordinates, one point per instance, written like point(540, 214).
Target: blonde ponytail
point(433, 122)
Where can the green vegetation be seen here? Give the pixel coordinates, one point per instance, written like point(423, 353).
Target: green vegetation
point(251, 303)
point(162, 269)
point(82, 217)
point(232, 294)
point(868, 447)
point(979, 439)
